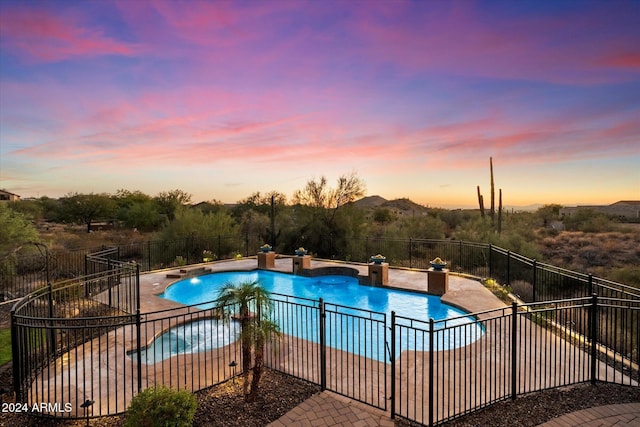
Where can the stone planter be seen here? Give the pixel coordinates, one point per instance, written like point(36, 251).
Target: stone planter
point(378, 259)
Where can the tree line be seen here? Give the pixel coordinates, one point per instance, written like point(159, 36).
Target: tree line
point(320, 216)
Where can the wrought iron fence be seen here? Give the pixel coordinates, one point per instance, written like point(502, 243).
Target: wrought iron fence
point(21, 275)
point(530, 279)
point(56, 324)
point(85, 338)
point(526, 348)
point(430, 372)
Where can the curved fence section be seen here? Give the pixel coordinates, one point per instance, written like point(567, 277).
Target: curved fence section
point(53, 328)
point(85, 339)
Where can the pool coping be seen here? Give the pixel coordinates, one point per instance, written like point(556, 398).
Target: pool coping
point(464, 292)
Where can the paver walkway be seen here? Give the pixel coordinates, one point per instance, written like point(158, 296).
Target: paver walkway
point(330, 410)
point(621, 415)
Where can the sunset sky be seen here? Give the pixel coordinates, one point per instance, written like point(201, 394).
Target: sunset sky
point(225, 98)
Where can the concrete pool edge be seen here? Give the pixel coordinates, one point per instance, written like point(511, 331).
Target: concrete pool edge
point(464, 293)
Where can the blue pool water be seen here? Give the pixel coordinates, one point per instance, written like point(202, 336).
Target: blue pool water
point(340, 292)
point(192, 337)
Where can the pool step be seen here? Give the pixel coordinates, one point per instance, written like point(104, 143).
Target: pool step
point(184, 272)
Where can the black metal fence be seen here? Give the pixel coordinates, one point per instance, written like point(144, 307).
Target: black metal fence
point(21, 275)
point(429, 372)
point(85, 339)
point(58, 326)
point(108, 358)
point(525, 348)
point(530, 279)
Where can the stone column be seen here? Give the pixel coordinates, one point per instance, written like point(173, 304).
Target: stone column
point(301, 263)
point(378, 273)
point(266, 260)
point(437, 281)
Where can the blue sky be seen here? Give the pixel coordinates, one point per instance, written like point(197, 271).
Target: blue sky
point(225, 98)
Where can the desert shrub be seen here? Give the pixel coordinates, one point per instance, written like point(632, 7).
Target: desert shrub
point(589, 221)
point(629, 275)
point(162, 407)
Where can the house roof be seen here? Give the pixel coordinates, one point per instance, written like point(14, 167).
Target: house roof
point(8, 192)
point(627, 202)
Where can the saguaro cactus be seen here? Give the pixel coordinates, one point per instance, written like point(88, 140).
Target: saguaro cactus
point(492, 211)
point(481, 202)
point(493, 193)
point(500, 212)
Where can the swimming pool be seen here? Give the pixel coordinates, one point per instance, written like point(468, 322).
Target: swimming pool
point(342, 292)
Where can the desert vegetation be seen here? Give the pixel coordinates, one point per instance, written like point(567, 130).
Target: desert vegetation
point(327, 220)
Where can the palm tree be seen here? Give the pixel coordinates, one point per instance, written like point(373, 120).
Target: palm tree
point(255, 328)
point(263, 331)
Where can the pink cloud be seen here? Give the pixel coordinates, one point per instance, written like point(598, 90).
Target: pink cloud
point(41, 36)
point(622, 60)
point(317, 139)
point(559, 49)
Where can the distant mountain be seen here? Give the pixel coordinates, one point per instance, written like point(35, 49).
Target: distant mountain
point(397, 205)
point(404, 205)
point(370, 202)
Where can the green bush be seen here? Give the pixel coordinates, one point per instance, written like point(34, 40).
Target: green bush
point(162, 407)
point(5, 346)
point(629, 275)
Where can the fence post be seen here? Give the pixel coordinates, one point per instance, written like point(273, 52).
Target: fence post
point(109, 281)
point(15, 354)
point(431, 371)
point(219, 254)
point(137, 287)
point(366, 248)
point(52, 333)
point(393, 364)
point(490, 260)
point(138, 348)
point(246, 244)
point(534, 279)
point(410, 253)
point(508, 268)
point(590, 284)
point(514, 349)
point(323, 347)
point(86, 273)
point(593, 331)
point(149, 255)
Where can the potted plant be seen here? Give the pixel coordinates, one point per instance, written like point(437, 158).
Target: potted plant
point(207, 256)
point(301, 251)
point(378, 259)
point(266, 248)
point(438, 264)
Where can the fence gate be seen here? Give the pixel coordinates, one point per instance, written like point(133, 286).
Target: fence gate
point(354, 351)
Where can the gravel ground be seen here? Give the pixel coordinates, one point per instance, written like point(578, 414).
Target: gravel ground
point(223, 405)
point(537, 408)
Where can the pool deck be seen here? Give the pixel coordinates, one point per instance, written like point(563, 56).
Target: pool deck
point(323, 409)
point(463, 292)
